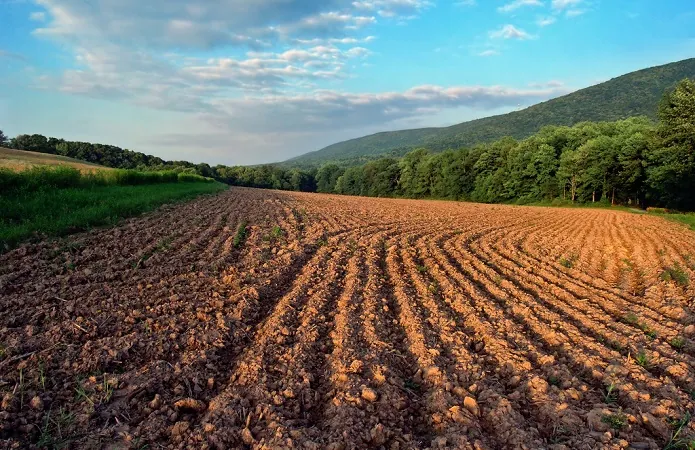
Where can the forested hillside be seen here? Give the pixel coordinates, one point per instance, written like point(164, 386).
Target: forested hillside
point(635, 94)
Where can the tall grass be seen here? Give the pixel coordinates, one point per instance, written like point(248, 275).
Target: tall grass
point(53, 201)
point(38, 178)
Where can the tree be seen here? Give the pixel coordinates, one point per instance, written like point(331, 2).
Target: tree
point(3, 139)
point(672, 172)
point(327, 177)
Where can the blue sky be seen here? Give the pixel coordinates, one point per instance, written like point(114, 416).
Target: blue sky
point(253, 81)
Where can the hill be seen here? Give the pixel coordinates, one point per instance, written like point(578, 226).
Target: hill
point(22, 159)
point(633, 94)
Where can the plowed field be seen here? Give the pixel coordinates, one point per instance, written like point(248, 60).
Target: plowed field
point(345, 322)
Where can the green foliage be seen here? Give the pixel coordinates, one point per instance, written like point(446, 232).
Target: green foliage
point(616, 421)
point(3, 139)
point(611, 396)
point(241, 235)
point(676, 274)
point(672, 175)
point(59, 177)
point(55, 430)
point(642, 359)
point(677, 342)
point(678, 440)
point(56, 212)
point(634, 94)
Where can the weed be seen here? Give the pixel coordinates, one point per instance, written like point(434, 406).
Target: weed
point(497, 279)
point(569, 262)
point(164, 244)
point(241, 235)
point(631, 319)
point(676, 274)
point(616, 421)
point(321, 243)
point(42, 376)
point(678, 442)
point(106, 390)
point(677, 342)
point(648, 331)
point(433, 287)
point(53, 433)
point(81, 394)
point(642, 359)
point(422, 269)
point(611, 396)
point(276, 232)
point(100, 395)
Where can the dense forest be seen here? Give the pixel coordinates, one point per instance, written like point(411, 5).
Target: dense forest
point(634, 161)
point(634, 94)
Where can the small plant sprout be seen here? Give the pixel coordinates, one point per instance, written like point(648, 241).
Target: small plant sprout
point(677, 440)
point(616, 421)
point(642, 359)
point(678, 343)
point(241, 235)
point(676, 274)
point(611, 395)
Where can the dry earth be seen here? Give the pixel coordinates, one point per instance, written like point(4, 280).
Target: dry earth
point(346, 323)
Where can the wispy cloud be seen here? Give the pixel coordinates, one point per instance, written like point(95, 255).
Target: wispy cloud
point(37, 16)
point(466, 3)
point(575, 12)
point(516, 4)
point(545, 21)
point(11, 55)
point(510, 32)
point(486, 53)
point(564, 4)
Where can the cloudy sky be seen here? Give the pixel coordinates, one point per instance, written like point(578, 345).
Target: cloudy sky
point(252, 81)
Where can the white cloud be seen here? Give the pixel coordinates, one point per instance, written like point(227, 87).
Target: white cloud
point(37, 16)
point(574, 12)
point(564, 4)
point(394, 8)
point(545, 21)
point(516, 4)
point(548, 84)
point(274, 75)
point(510, 32)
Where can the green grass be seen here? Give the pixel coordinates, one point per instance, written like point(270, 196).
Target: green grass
point(686, 218)
point(676, 274)
point(60, 211)
point(615, 421)
point(241, 235)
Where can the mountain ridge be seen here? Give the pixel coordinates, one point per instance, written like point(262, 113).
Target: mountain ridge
point(632, 94)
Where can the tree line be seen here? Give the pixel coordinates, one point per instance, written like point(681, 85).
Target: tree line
point(633, 161)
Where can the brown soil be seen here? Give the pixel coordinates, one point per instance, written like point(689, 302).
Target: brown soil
point(346, 323)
